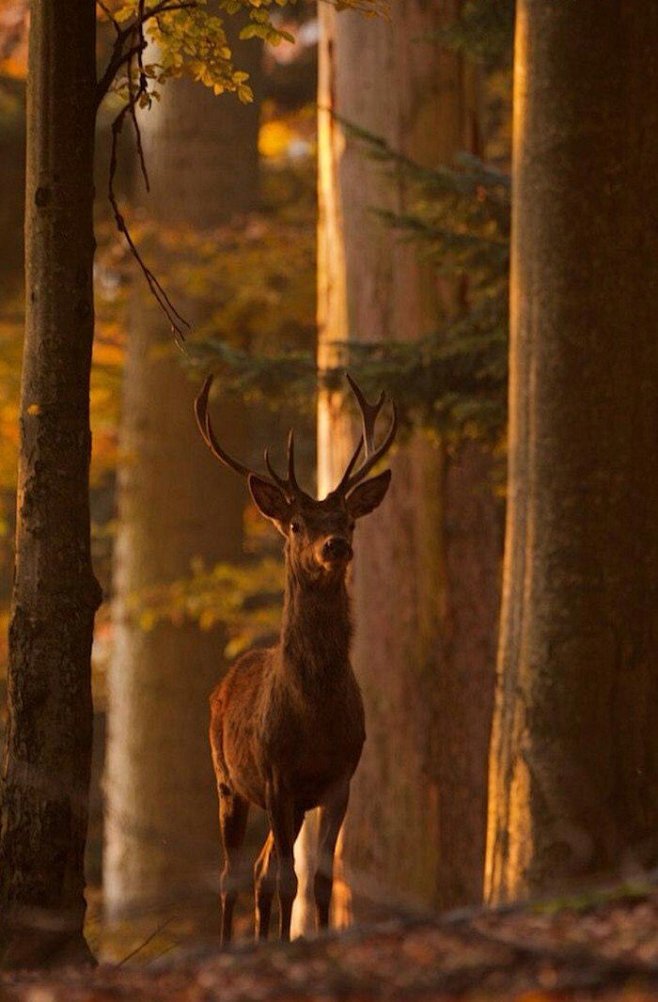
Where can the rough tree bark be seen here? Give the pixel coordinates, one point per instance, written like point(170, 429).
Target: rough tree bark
point(426, 568)
point(574, 775)
point(162, 837)
point(43, 818)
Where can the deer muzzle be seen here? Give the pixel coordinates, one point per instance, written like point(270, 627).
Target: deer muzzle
point(336, 548)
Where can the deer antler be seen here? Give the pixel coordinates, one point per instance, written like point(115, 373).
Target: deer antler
point(208, 435)
point(369, 414)
point(289, 486)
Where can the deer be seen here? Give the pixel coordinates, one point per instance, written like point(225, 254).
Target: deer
point(287, 723)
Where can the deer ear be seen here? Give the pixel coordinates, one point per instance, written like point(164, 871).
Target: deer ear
point(368, 495)
point(269, 499)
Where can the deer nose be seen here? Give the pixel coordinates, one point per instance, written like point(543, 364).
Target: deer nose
point(337, 548)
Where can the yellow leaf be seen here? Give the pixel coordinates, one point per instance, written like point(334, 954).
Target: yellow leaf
point(148, 620)
point(34, 409)
point(207, 619)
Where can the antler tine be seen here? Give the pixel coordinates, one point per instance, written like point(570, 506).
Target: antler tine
point(292, 479)
point(369, 414)
point(272, 472)
point(378, 454)
point(208, 435)
point(289, 486)
point(350, 466)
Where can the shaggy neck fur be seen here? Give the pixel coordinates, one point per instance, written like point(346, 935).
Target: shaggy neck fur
point(316, 629)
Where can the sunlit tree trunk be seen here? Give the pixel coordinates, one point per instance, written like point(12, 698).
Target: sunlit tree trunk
point(425, 574)
point(45, 776)
point(175, 504)
point(574, 776)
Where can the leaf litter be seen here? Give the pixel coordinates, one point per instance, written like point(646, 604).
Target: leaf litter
point(602, 945)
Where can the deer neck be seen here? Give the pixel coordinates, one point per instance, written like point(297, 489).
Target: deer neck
point(316, 628)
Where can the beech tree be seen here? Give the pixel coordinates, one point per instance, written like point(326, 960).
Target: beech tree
point(426, 586)
point(43, 815)
point(574, 770)
point(162, 838)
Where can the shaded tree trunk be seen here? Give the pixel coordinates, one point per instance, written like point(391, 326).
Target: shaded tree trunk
point(43, 818)
point(162, 837)
point(574, 774)
point(426, 567)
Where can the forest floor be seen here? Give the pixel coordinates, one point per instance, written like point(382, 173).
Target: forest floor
point(602, 945)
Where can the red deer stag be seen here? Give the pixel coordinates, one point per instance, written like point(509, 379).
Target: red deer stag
point(287, 723)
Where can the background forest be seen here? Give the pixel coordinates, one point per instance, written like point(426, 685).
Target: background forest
point(284, 192)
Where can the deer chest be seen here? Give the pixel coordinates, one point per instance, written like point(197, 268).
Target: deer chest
point(315, 742)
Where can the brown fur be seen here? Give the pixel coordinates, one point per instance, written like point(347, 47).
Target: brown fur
point(287, 723)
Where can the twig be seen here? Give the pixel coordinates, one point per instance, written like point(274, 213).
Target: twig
point(119, 56)
point(109, 15)
point(163, 953)
point(133, 36)
point(149, 939)
point(136, 97)
point(178, 323)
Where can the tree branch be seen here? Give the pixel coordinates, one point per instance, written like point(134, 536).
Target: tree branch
point(129, 47)
point(119, 55)
point(179, 325)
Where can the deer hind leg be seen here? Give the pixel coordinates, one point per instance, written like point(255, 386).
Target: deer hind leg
point(233, 813)
point(332, 813)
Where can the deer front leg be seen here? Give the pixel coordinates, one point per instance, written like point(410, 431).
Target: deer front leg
point(282, 815)
point(332, 813)
point(265, 879)
point(264, 887)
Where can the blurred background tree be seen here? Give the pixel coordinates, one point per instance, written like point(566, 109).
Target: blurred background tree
point(161, 843)
point(426, 570)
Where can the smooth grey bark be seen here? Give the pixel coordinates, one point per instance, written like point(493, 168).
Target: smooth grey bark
point(45, 777)
point(175, 504)
point(574, 772)
point(426, 566)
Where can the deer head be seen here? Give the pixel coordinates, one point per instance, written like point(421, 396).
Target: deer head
point(318, 533)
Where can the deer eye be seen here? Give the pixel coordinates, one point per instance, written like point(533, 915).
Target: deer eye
point(295, 527)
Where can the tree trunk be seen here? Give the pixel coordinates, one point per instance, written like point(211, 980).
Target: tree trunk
point(574, 775)
point(425, 575)
point(43, 820)
point(175, 504)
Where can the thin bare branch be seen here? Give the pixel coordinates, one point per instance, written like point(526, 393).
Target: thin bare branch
point(110, 16)
point(136, 98)
point(179, 325)
point(120, 56)
point(118, 59)
point(129, 47)
point(149, 939)
point(166, 6)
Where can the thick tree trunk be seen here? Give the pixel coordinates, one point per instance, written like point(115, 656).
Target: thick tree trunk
point(574, 775)
point(425, 575)
point(175, 505)
point(43, 819)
